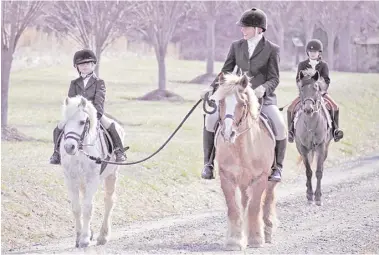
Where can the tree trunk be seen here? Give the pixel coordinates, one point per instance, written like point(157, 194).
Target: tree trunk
point(211, 26)
point(344, 53)
point(7, 58)
point(331, 37)
point(98, 55)
point(281, 39)
point(309, 30)
point(161, 55)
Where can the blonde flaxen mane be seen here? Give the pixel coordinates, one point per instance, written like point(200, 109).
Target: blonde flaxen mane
point(232, 83)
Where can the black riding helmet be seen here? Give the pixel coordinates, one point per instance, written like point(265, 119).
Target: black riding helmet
point(84, 56)
point(314, 45)
point(253, 18)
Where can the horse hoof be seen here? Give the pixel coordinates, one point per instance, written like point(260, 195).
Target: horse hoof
point(255, 244)
point(268, 239)
point(101, 240)
point(233, 246)
point(77, 244)
point(91, 238)
point(319, 203)
point(83, 245)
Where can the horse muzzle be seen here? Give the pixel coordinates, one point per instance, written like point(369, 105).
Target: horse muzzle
point(70, 148)
point(229, 135)
point(309, 110)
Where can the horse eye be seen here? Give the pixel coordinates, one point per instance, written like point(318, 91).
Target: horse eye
point(82, 122)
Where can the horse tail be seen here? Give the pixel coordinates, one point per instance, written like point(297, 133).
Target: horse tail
point(310, 158)
point(299, 160)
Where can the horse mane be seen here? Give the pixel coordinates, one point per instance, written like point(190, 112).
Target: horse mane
point(72, 105)
point(308, 74)
point(232, 84)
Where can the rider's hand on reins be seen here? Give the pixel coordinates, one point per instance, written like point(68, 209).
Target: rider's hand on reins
point(260, 91)
point(210, 102)
point(205, 91)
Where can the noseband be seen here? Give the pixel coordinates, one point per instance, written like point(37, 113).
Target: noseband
point(78, 137)
point(230, 116)
point(316, 103)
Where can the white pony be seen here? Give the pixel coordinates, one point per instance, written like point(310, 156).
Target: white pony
point(82, 174)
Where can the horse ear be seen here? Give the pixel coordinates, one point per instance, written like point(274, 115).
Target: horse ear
point(316, 76)
point(317, 86)
point(82, 102)
point(221, 78)
point(244, 81)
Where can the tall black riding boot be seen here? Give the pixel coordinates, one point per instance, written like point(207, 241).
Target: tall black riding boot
point(118, 147)
point(280, 152)
point(291, 131)
point(55, 159)
point(208, 146)
point(337, 133)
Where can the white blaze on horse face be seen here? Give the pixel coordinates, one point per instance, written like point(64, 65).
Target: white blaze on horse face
point(230, 106)
point(75, 125)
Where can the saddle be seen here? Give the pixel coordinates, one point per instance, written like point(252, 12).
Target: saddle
point(106, 145)
point(268, 124)
point(106, 141)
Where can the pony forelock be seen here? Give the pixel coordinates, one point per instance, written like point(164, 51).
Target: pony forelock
point(72, 105)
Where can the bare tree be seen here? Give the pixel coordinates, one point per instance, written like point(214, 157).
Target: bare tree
point(369, 12)
point(92, 24)
point(333, 18)
point(157, 23)
point(16, 17)
point(279, 16)
point(210, 12)
point(308, 17)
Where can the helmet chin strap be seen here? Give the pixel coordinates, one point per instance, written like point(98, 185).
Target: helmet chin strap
point(257, 32)
point(85, 75)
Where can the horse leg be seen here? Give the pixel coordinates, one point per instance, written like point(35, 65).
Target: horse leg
point(90, 190)
point(256, 231)
point(73, 196)
point(234, 236)
point(269, 211)
point(109, 187)
point(319, 173)
point(308, 172)
point(245, 200)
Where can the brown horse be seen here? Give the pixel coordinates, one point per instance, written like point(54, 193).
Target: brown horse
point(244, 155)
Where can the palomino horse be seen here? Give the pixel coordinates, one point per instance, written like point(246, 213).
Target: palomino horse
point(244, 155)
point(81, 135)
point(312, 131)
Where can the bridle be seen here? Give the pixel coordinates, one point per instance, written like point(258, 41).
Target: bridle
point(79, 138)
point(237, 123)
point(316, 103)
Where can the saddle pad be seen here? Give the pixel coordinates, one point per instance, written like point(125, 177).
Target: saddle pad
point(106, 142)
point(268, 124)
